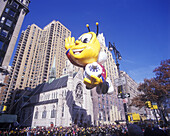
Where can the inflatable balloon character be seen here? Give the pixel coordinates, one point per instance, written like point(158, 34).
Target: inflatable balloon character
point(85, 52)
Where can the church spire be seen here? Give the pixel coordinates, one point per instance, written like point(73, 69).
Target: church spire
point(52, 72)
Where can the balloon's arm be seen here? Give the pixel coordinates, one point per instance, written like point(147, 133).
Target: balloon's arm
point(94, 80)
point(94, 75)
point(69, 42)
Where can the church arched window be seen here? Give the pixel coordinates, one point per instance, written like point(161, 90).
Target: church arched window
point(44, 113)
point(62, 110)
point(53, 112)
point(36, 113)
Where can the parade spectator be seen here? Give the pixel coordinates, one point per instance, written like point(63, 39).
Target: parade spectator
point(104, 130)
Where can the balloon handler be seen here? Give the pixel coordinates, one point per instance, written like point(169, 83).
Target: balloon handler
point(85, 52)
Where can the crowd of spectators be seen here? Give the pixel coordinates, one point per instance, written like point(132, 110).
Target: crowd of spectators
point(106, 130)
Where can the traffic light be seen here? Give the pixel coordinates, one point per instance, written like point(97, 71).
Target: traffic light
point(148, 104)
point(119, 89)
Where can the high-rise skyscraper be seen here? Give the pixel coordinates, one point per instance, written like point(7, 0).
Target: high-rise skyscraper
point(35, 54)
point(12, 13)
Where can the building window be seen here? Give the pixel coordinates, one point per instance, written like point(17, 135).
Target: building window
point(53, 112)
point(98, 98)
point(8, 22)
point(108, 118)
point(103, 100)
point(44, 113)
point(1, 44)
point(107, 102)
point(6, 10)
point(56, 95)
point(104, 118)
point(36, 114)
point(100, 115)
point(4, 33)
point(27, 2)
point(11, 13)
point(63, 110)
point(2, 19)
point(15, 5)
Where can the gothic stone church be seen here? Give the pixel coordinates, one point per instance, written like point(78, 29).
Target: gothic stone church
point(62, 102)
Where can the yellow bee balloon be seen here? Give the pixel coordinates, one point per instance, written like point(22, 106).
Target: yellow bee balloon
point(84, 52)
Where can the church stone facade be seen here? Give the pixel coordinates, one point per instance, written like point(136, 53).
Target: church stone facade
point(63, 102)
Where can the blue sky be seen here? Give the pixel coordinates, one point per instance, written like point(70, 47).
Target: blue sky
point(139, 28)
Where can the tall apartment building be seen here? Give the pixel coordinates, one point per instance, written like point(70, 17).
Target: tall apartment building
point(12, 13)
point(34, 56)
point(131, 88)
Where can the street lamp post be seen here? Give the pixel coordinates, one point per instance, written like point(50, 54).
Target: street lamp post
point(118, 56)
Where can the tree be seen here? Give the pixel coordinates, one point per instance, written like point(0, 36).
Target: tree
point(163, 76)
point(139, 101)
point(156, 89)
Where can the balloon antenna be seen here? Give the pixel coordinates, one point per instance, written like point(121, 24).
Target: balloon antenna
point(97, 28)
point(88, 27)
